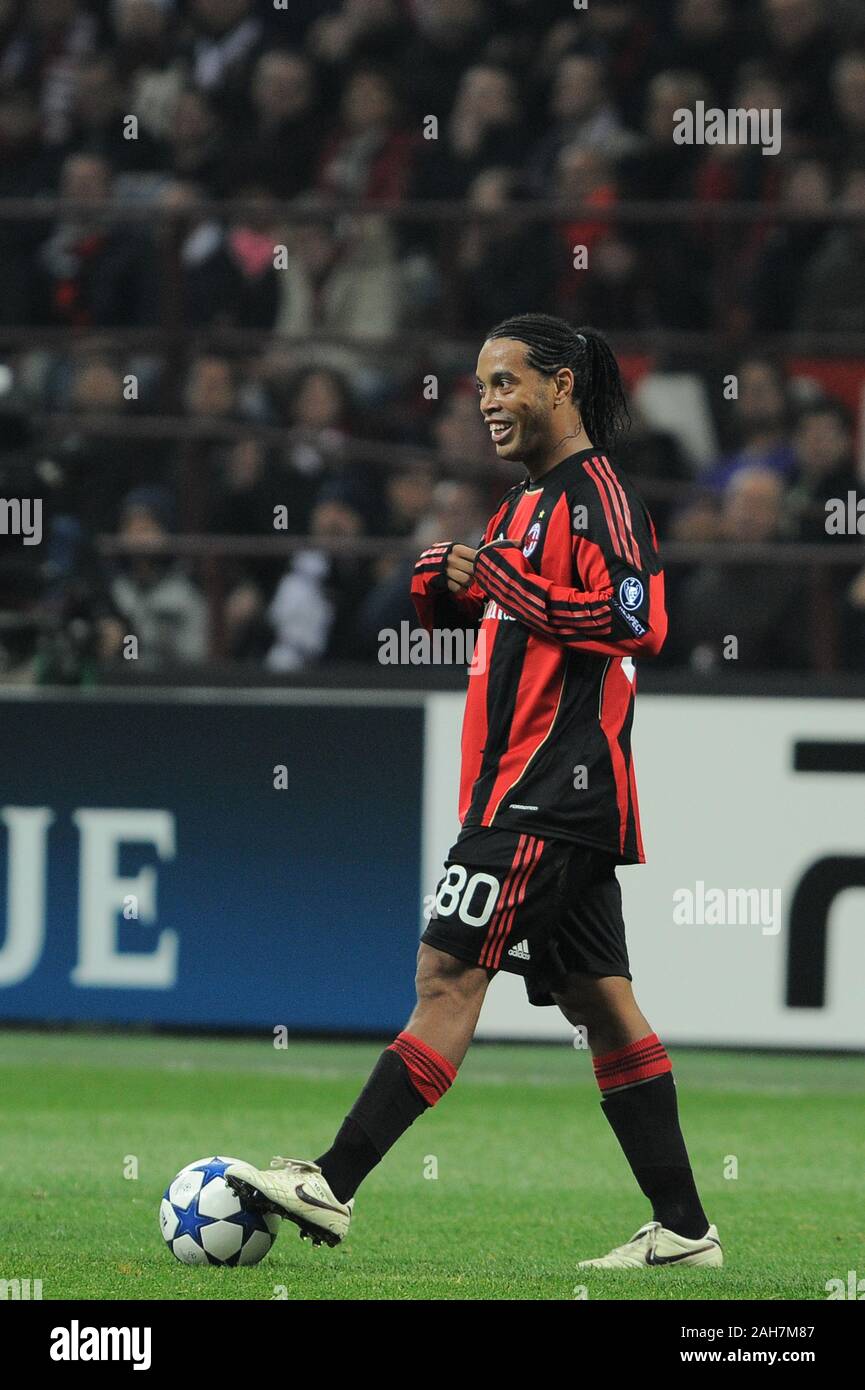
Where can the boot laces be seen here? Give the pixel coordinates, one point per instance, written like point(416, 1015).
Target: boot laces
point(648, 1233)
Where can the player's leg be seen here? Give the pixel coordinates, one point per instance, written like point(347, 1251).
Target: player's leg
point(413, 1072)
point(638, 1097)
point(481, 900)
point(617, 1020)
point(450, 994)
point(410, 1076)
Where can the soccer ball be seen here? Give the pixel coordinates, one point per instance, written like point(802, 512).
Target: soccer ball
point(203, 1222)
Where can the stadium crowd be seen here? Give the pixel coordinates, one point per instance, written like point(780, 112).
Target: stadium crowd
point(164, 106)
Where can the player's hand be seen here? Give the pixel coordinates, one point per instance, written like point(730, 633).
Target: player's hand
point(460, 567)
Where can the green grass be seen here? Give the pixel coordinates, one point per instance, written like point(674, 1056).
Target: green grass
point(530, 1179)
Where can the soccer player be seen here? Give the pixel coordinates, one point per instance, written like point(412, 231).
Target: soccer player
point(568, 588)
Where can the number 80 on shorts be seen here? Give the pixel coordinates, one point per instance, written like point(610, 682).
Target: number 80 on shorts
point(458, 893)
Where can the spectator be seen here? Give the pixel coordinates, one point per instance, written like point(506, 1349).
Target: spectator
point(824, 469)
point(148, 62)
point(248, 494)
point(697, 522)
point(320, 403)
point(89, 273)
point(211, 395)
point(98, 123)
point(221, 52)
point(624, 34)
point(231, 278)
point(22, 581)
point(487, 118)
point(368, 156)
point(161, 606)
point(57, 622)
point(655, 460)
point(833, 287)
point(195, 140)
point(246, 505)
point(449, 37)
point(676, 261)
point(408, 497)
point(600, 276)
point(848, 95)
point(705, 38)
point(761, 412)
point(41, 53)
point(211, 391)
point(775, 289)
point(361, 31)
point(738, 170)
point(314, 610)
point(458, 513)
point(718, 619)
point(317, 408)
point(198, 238)
point(344, 281)
point(657, 168)
point(27, 170)
point(280, 146)
point(801, 51)
point(503, 265)
point(99, 469)
point(460, 437)
point(582, 115)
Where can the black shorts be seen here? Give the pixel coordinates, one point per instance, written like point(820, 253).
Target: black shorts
point(534, 907)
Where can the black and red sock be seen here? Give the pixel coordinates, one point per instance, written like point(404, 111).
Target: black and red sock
point(638, 1097)
point(408, 1078)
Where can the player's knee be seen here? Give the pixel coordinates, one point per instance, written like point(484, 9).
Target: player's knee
point(582, 1002)
point(578, 1013)
point(443, 977)
point(600, 1005)
point(576, 1017)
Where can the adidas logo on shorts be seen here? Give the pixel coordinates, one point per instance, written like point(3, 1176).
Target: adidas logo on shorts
point(521, 951)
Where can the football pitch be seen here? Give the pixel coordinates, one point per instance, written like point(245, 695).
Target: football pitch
point(495, 1194)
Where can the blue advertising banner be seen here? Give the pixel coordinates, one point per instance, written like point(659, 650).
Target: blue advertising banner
point(189, 860)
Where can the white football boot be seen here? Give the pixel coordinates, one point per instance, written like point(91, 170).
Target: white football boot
point(297, 1191)
point(654, 1246)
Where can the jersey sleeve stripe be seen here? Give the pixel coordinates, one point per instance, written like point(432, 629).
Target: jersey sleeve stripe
point(508, 595)
point(516, 597)
point(612, 509)
point(512, 577)
point(605, 503)
point(618, 513)
point(573, 621)
point(616, 504)
point(548, 616)
point(629, 525)
point(566, 606)
point(522, 583)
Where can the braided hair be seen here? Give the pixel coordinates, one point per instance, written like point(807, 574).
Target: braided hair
point(552, 344)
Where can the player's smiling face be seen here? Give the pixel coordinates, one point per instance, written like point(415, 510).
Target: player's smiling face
point(515, 400)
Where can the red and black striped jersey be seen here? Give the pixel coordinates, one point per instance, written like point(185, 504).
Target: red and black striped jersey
point(568, 589)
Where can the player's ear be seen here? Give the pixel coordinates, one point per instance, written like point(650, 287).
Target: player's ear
point(564, 384)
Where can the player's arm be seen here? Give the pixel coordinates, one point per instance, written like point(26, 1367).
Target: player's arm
point(443, 589)
point(617, 606)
